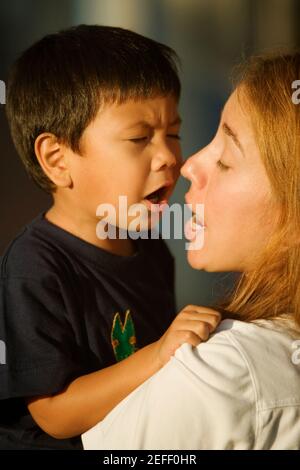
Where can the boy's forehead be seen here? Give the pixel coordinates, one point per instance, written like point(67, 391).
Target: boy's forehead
point(151, 111)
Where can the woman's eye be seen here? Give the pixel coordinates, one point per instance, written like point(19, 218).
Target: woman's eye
point(222, 166)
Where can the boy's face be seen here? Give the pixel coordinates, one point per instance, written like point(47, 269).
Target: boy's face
point(130, 149)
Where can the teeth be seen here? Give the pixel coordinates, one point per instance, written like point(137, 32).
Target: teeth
point(196, 222)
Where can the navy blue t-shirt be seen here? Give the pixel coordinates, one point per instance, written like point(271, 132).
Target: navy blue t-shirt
point(69, 308)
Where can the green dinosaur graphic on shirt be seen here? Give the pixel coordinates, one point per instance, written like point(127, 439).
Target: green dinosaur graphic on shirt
point(123, 337)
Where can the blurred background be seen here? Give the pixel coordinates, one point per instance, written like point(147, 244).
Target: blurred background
point(210, 37)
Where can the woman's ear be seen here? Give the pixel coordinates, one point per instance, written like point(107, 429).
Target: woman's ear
point(53, 158)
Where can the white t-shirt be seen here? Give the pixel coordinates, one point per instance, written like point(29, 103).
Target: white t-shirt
point(238, 390)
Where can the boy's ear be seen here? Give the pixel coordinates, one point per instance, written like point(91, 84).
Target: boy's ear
point(53, 158)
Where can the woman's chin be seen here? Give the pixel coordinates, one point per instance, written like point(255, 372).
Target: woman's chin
point(195, 259)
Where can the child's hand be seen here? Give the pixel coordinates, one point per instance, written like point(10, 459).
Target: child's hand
point(192, 325)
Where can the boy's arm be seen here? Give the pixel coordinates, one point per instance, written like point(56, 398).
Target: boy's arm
point(88, 399)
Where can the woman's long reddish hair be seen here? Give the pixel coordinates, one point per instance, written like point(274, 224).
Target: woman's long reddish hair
point(271, 289)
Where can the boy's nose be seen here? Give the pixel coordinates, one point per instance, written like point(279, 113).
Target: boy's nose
point(165, 158)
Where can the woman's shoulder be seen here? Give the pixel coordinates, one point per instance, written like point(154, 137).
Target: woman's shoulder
point(213, 391)
point(261, 354)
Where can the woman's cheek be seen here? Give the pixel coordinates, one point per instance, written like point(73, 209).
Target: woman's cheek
point(219, 206)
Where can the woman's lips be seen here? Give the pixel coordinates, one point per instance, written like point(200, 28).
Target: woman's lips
point(192, 228)
point(195, 224)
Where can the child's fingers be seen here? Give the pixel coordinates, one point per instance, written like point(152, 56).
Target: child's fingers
point(189, 337)
point(212, 319)
point(200, 309)
point(201, 328)
point(197, 309)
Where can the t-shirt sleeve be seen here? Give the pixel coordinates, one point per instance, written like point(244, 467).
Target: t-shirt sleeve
point(39, 351)
point(201, 399)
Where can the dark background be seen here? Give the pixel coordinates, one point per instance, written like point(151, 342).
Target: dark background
point(210, 36)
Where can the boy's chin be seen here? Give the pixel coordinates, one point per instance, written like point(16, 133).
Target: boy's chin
point(122, 230)
point(143, 224)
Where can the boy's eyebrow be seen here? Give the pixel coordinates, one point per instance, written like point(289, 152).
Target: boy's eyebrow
point(228, 131)
point(177, 120)
point(144, 123)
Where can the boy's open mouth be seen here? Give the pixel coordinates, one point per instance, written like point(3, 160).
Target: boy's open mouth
point(157, 196)
point(157, 200)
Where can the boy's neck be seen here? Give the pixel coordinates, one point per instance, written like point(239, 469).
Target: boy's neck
point(85, 229)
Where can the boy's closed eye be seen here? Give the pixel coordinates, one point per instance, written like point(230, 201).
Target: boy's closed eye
point(145, 138)
point(137, 140)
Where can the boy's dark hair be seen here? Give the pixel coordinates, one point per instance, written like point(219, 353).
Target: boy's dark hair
point(59, 83)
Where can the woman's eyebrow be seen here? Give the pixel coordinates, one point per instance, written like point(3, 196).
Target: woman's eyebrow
point(228, 131)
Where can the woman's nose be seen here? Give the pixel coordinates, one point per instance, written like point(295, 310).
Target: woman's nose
point(186, 168)
point(198, 168)
point(192, 170)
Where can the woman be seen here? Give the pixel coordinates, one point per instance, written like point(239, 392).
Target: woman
point(240, 389)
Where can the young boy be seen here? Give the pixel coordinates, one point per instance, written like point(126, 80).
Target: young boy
point(85, 320)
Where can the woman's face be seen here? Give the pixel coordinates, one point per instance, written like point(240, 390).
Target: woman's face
point(229, 178)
